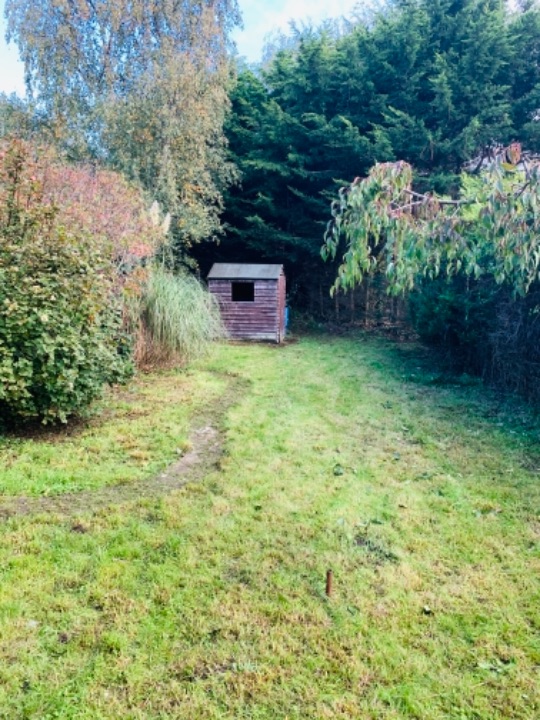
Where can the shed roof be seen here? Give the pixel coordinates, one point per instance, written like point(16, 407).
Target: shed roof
point(244, 271)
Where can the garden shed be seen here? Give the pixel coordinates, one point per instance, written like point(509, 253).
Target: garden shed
point(251, 298)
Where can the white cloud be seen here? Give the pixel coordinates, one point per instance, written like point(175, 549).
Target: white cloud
point(266, 15)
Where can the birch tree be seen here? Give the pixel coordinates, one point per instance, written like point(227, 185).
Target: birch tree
point(140, 85)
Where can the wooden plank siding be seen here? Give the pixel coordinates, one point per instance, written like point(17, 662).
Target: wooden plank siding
point(260, 319)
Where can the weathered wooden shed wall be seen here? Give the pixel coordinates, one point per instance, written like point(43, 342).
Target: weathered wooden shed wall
point(260, 313)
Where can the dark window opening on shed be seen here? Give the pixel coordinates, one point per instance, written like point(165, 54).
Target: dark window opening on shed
point(243, 292)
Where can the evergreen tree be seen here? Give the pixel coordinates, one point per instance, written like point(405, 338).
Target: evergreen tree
point(524, 32)
point(431, 82)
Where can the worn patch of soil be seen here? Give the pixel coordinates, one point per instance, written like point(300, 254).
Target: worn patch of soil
point(206, 442)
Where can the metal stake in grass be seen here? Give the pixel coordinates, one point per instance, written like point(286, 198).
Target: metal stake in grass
point(329, 578)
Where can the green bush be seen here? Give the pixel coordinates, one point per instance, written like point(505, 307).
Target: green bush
point(457, 314)
point(483, 328)
point(61, 335)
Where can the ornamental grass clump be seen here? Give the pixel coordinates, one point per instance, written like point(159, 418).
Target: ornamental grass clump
point(179, 319)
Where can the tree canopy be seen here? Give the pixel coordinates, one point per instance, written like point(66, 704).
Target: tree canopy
point(141, 86)
point(406, 96)
point(492, 228)
point(427, 82)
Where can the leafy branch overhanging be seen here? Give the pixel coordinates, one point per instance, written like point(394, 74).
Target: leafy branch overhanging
point(492, 228)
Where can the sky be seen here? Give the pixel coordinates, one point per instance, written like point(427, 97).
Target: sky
point(264, 16)
point(11, 69)
point(260, 18)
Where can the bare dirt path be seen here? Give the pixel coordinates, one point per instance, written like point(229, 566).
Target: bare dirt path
point(206, 441)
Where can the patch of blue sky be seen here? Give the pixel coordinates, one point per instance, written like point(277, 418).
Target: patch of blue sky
point(11, 68)
point(261, 18)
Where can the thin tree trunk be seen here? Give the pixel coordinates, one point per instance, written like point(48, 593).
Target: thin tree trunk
point(367, 304)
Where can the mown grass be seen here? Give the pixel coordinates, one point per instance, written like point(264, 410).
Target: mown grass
point(133, 434)
point(345, 454)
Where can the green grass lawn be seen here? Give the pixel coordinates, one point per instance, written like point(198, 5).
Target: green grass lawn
point(421, 495)
point(135, 432)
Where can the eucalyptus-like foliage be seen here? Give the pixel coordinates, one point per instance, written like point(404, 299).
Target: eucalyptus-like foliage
point(493, 228)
